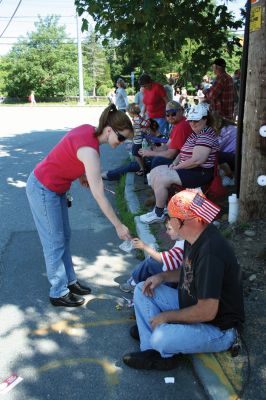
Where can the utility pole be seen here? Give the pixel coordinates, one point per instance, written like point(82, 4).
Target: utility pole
point(253, 168)
point(80, 67)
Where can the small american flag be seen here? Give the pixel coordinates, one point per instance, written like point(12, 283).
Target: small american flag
point(204, 208)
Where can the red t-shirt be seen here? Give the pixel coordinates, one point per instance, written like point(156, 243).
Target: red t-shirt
point(154, 102)
point(61, 166)
point(179, 134)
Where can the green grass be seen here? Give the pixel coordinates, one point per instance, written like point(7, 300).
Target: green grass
point(125, 215)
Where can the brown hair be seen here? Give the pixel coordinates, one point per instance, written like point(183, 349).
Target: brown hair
point(115, 119)
point(133, 108)
point(121, 82)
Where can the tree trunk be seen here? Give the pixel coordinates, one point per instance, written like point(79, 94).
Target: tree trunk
point(252, 195)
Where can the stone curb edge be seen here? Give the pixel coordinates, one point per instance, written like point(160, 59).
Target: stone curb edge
point(206, 366)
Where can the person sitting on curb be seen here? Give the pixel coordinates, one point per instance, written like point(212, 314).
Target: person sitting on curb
point(178, 135)
point(227, 136)
point(157, 262)
point(206, 311)
point(193, 167)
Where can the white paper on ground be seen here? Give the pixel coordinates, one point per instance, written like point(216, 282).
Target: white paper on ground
point(169, 379)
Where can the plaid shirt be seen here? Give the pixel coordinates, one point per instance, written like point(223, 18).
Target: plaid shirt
point(221, 96)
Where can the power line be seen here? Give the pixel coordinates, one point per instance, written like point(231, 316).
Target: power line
point(11, 18)
point(35, 16)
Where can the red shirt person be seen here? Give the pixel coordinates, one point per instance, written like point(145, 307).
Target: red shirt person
point(154, 100)
point(178, 135)
point(221, 93)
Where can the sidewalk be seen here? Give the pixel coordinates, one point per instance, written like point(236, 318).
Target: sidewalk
point(222, 376)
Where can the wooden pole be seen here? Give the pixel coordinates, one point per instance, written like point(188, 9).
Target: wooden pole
point(252, 195)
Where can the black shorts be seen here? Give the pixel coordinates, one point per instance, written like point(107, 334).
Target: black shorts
point(195, 177)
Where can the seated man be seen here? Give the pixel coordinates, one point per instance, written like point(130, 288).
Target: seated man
point(206, 311)
point(178, 135)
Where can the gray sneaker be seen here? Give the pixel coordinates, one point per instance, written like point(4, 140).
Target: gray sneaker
point(127, 287)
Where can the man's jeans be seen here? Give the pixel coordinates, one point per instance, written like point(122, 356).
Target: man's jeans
point(50, 214)
point(170, 339)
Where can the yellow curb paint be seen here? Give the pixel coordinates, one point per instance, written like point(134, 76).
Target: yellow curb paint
point(233, 368)
point(73, 329)
point(110, 370)
point(212, 364)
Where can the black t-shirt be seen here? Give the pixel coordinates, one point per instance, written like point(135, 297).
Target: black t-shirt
point(210, 270)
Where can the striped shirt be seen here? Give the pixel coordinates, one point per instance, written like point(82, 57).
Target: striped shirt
point(173, 258)
point(207, 138)
point(140, 126)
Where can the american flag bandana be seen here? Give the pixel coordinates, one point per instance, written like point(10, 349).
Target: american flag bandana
point(204, 208)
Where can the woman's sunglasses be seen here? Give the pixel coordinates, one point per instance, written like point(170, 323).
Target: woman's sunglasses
point(121, 138)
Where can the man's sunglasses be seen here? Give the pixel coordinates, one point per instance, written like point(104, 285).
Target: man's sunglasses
point(121, 138)
point(171, 114)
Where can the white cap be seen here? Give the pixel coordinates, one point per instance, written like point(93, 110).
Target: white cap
point(198, 112)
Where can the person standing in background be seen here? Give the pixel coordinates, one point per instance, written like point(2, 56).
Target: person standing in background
point(155, 100)
point(221, 93)
point(121, 100)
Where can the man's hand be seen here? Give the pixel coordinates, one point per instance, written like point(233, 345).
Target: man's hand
point(123, 232)
point(84, 181)
point(159, 319)
point(173, 166)
point(145, 152)
point(151, 283)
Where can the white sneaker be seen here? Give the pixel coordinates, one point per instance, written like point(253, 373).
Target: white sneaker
point(151, 217)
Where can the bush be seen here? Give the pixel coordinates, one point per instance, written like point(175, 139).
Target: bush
point(103, 90)
point(130, 90)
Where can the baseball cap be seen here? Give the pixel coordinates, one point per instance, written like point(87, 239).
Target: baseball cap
point(173, 106)
point(197, 112)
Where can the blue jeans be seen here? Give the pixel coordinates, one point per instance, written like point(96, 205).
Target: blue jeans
point(170, 339)
point(50, 214)
point(116, 173)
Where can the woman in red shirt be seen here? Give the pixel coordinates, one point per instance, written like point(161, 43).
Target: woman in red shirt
point(75, 156)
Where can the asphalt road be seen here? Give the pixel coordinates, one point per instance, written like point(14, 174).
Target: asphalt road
point(66, 353)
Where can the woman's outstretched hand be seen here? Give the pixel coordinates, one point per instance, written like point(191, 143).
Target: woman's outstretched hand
point(123, 232)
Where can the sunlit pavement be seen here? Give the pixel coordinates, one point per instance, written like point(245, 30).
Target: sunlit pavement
point(66, 353)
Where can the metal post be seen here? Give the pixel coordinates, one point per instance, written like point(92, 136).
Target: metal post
point(81, 88)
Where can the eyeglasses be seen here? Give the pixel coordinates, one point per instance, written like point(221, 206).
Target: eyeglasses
point(181, 221)
point(195, 122)
point(171, 114)
point(121, 138)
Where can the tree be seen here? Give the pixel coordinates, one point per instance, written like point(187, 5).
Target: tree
point(252, 196)
point(45, 62)
point(148, 28)
point(95, 63)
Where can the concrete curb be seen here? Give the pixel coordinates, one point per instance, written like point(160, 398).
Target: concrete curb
point(206, 366)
